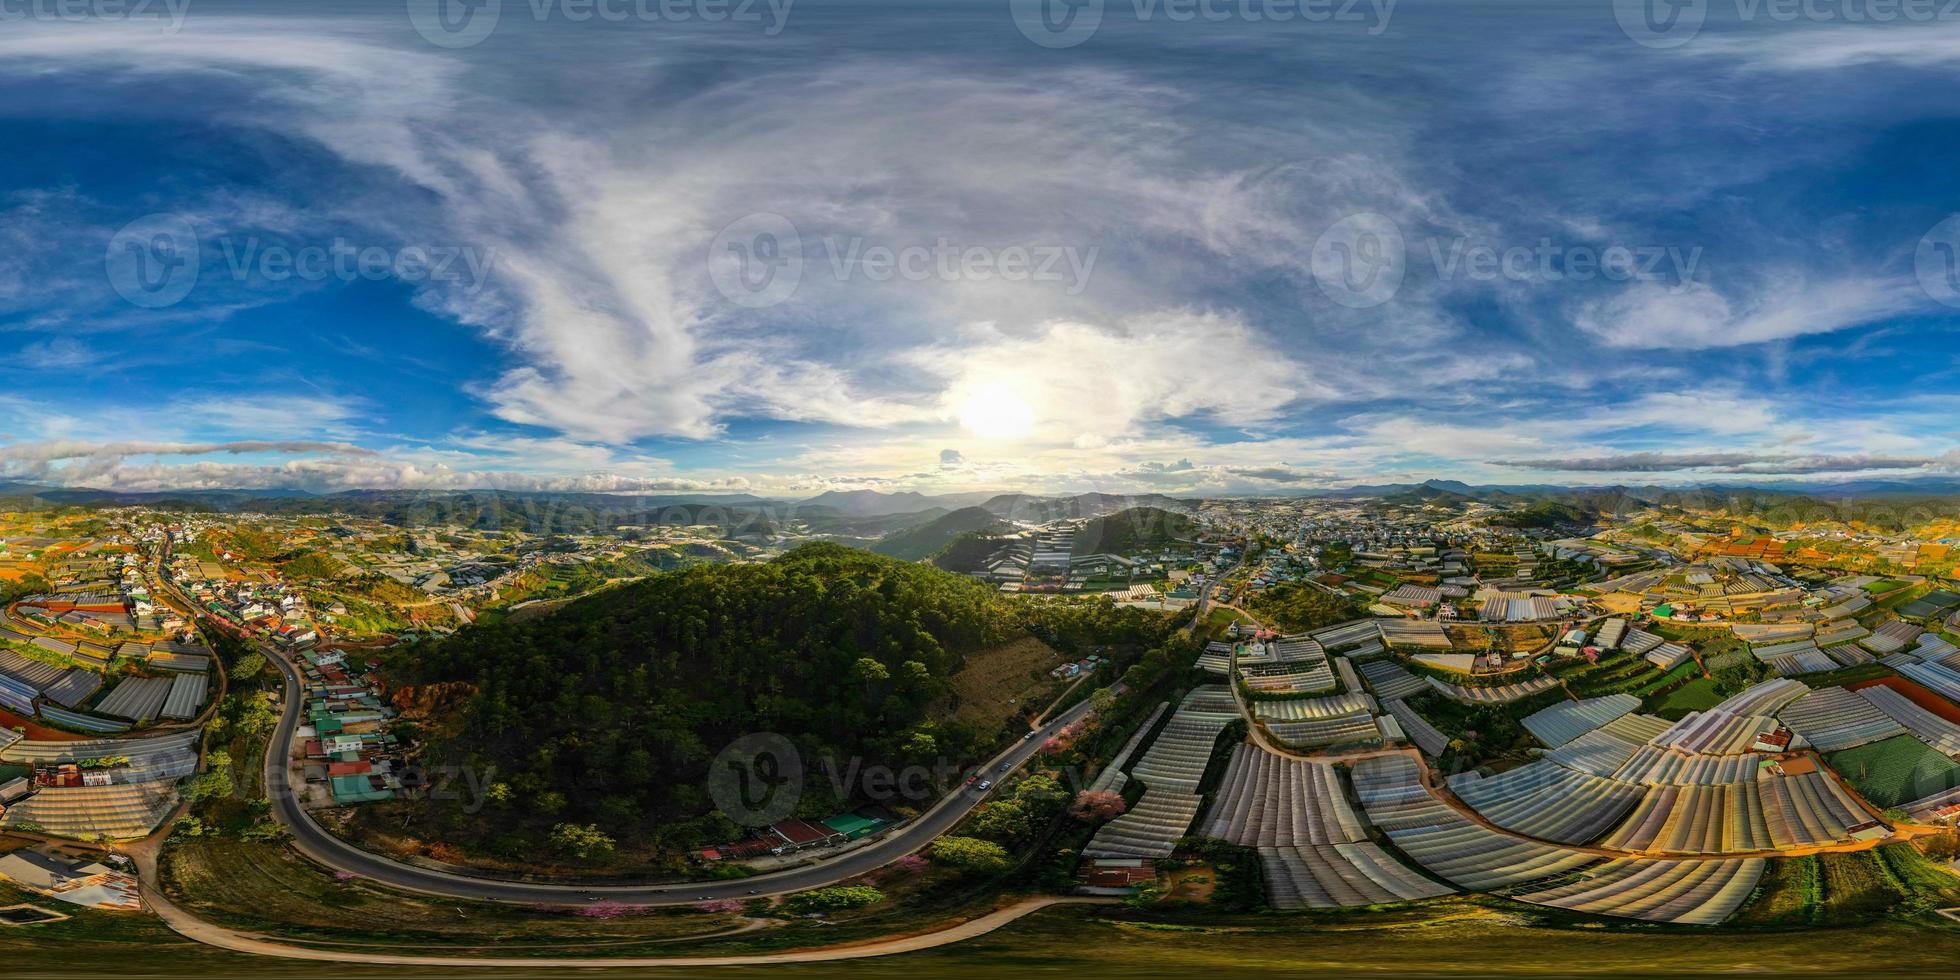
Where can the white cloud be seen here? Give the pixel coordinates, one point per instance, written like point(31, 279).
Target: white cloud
point(1838, 46)
point(1653, 315)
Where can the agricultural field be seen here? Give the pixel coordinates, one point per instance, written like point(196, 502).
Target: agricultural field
point(1895, 771)
point(1834, 890)
point(1696, 695)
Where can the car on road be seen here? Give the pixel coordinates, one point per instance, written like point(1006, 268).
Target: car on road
point(1029, 736)
point(1003, 767)
point(985, 785)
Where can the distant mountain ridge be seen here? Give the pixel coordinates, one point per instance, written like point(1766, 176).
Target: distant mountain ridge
point(929, 539)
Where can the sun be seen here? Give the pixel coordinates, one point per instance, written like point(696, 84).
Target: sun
point(996, 411)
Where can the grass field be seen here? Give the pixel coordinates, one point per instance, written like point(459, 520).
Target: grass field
point(1454, 937)
point(1895, 771)
point(1696, 695)
point(266, 887)
point(997, 684)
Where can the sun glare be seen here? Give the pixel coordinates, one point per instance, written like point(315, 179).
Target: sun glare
point(996, 411)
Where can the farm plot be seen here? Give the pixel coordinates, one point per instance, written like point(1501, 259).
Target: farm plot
point(1716, 732)
point(1415, 634)
point(1717, 819)
point(1562, 722)
point(1170, 771)
point(1766, 698)
point(1605, 750)
point(1686, 892)
point(1892, 637)
point(1942, 735)
point(1355, 729)
point(115, 812)
point(1896, 771)
point(1810, 808)
point(1337, 875)
point(1268, 800)
point(1943, 681)
point(136, 698)
point(1833, 718)
point(1348, 636)
point(1177, 759)
point(1150, 829)
point(1419, 730)
point(1496, 694)
point(1288, 678)
point(1547, 801)
point(1312, 709)
point(1390, 681)
point(1651, 765)
point(1444, 841)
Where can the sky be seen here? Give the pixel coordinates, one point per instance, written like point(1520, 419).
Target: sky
point(785, 246)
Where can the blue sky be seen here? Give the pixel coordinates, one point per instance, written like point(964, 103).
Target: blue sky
point(903, 245)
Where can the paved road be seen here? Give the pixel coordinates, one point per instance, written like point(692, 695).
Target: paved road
point(335, 853)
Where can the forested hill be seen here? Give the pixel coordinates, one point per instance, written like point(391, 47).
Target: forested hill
point(611, 709)
point(1133, 531)
point(927, 539)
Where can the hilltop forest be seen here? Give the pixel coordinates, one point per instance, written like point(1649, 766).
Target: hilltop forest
point(610, 710)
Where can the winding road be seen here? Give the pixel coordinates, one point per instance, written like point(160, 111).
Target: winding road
point(335, 853)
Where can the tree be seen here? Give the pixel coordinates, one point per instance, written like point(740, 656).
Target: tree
point(1095, 806)
point(1005, 820)
point(585, 842)
point(969, 854)
point(248, 666)
point(834, 899)
point(1040, 794)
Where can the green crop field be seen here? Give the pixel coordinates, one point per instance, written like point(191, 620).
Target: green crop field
point(1696, 695)
point(1896, 771)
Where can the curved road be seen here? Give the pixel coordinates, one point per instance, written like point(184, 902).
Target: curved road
point(342, 856)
